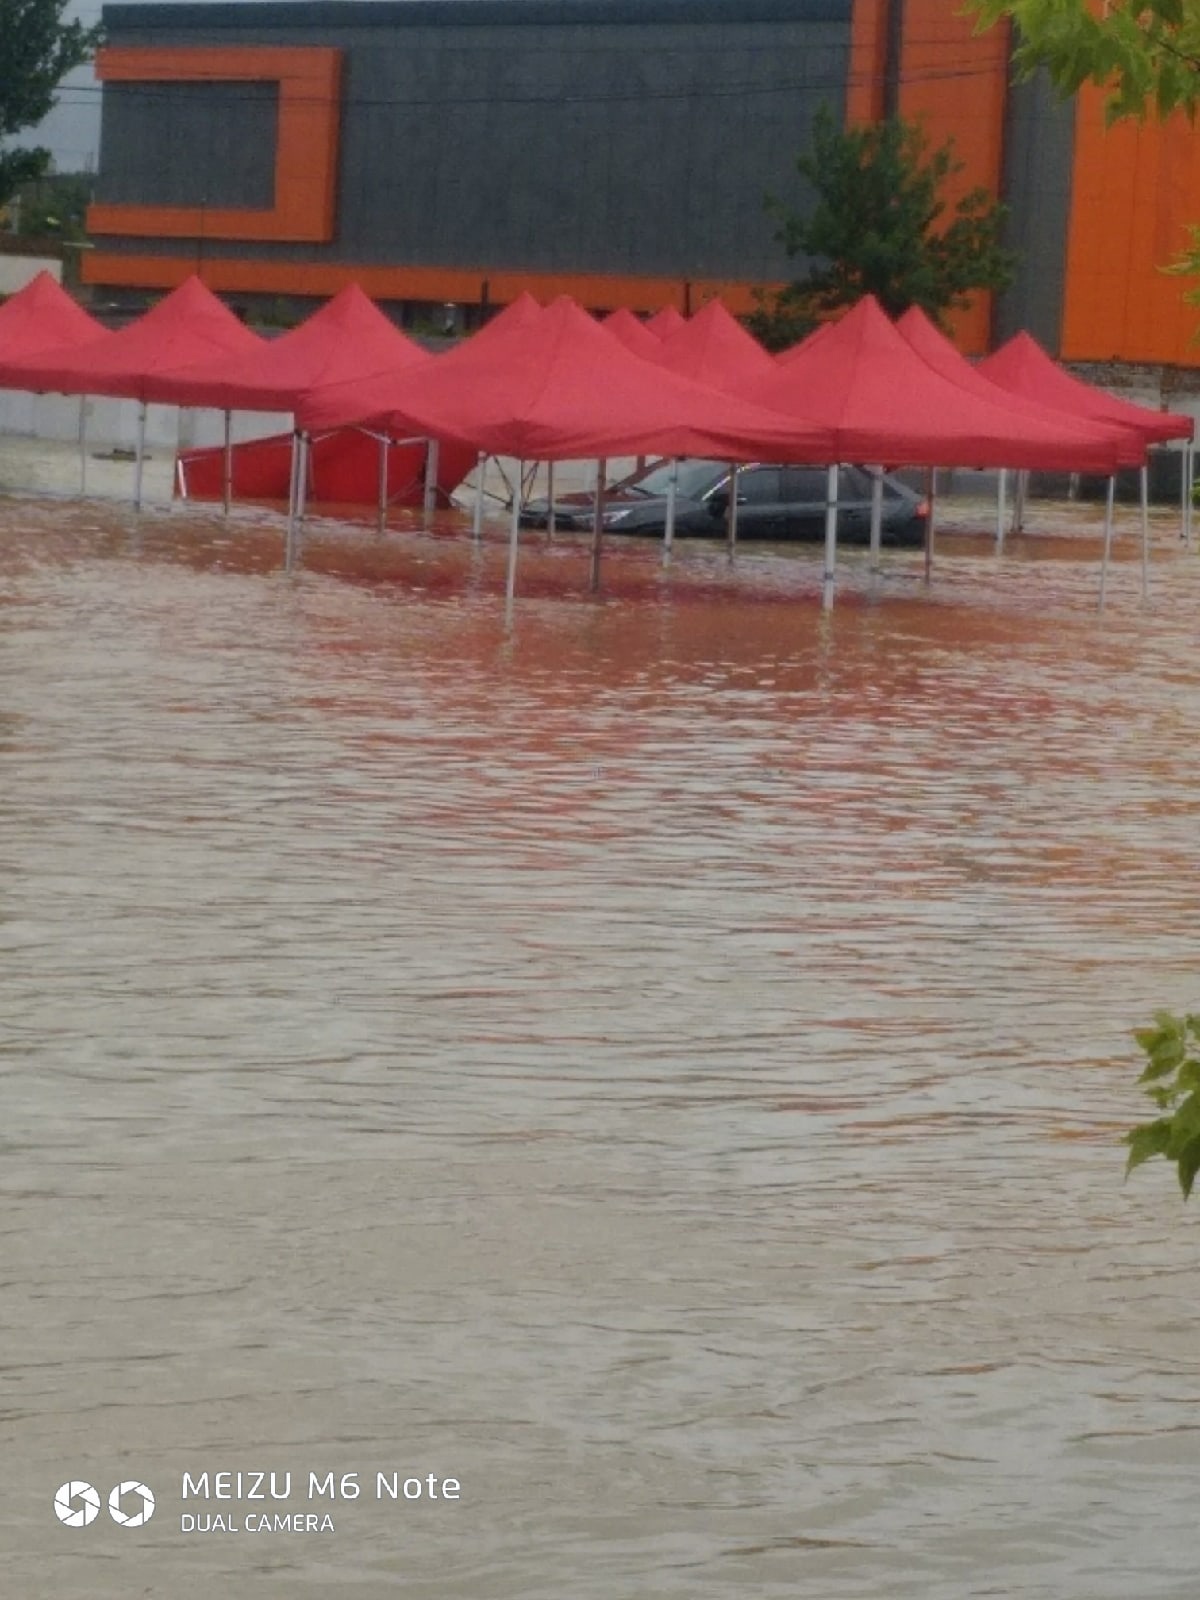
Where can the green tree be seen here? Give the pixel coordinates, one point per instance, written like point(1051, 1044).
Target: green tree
point(880, 224)
point(37, 49)
point(1145, 52)
point(1172, 1080)
point(55, 206)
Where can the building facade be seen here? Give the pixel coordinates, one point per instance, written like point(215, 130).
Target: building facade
point(616, 150)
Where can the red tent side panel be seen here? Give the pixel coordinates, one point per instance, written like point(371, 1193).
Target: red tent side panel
point(344, 468)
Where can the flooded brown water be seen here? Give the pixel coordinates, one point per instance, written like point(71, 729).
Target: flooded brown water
point(662, 1069)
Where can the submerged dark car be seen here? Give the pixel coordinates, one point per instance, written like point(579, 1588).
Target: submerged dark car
point(774, 502)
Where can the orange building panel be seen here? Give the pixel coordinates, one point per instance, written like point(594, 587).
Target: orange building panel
point(865, 88)
point(306, 147)
point(955, 83)
point(1136, 187)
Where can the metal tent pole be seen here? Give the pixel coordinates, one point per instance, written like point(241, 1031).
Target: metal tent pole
point(1145, 488)
point(301, 499)
point(481, 462)
point(510, 586)
point(1108, 534)
point(597, 526)
point(431, 482)
point(83, 444)
point(931, 496)
point(831, 511)
point(876, 516)
point(385, 444)
point(731, 513)
point(672, 498)
point(141, 456)
point(290, 533)
point(1001, 488)
point(1020, 490)
point(227, 465)
point(1189, 510)
point(550, 520)
point(1184, 488)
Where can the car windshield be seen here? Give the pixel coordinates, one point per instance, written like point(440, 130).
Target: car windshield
point(695, 479)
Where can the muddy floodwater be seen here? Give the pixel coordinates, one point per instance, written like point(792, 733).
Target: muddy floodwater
point(661, 1070)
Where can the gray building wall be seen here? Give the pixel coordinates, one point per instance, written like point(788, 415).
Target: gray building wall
point(1039, 155)
point(190, 144)
point(592, 136)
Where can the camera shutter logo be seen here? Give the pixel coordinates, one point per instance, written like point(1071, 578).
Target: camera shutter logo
point(76, 1504)
point(145, 1510)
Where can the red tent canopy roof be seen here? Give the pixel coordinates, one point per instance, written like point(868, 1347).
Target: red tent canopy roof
point(564, 389)
point(347, 339)
point(884, 403)
point(715, 349)
point(42, 316)
point(187, 326)
point(932, 345)
point(666, 322)
point(518, 313)
point(633, 333)
point(1022, 367)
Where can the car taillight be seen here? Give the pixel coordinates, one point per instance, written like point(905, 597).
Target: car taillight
point(923, 508)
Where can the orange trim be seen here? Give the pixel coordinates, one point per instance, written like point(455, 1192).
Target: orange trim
point(305, 147)
point(320, 279)
point(868, 61)
point(1135, 188)
point(954, 81)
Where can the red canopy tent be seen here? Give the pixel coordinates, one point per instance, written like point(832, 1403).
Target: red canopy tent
point(936, 350)
point(188, 326)
point(41, 317)
point(348, 339)
point(933, 346)
point(518, 313)
point(885, 404)
point(714, 348)
point(666, 322)
point(562, 389)
point(633, 333)
point(882, 402)
point(345, 467)
point(1023, 368)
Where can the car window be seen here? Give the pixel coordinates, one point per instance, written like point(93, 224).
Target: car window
point(759, 486)
point(696, 477)
point(805, 486)
point(854, 484)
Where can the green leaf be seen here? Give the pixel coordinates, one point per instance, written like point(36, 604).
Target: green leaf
point(1189, 1165)
point(1164, 1059)
point(1151, 1139)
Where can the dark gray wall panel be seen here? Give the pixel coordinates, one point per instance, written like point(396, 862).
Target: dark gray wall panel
point(1040, 143)
point(189, 144)
point(324, 15)
point(564, 146)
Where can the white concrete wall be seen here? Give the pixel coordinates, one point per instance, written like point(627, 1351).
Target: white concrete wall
point(114, 422)
point(17, 271)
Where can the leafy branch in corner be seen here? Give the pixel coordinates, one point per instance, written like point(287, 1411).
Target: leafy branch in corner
point(1172, 1081)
